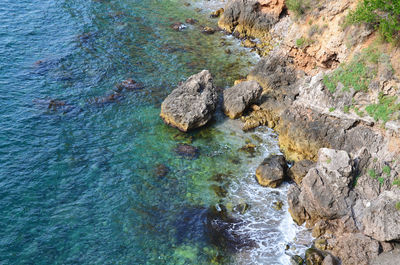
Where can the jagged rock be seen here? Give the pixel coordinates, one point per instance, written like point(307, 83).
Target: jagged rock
point(296, 210)
point(299, 170)
point(192, 104)
point(314, 257)
point(272, 171)
point(355, 249)
point(296, 260)
point(325, 192)
point(381, 219)
point(387, 258)
point(217, 13)
point(239, 97)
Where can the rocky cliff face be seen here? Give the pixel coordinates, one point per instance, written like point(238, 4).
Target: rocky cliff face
point(332, 93)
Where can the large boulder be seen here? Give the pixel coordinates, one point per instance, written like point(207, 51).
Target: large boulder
point(299, 170)
point(239, 97)
point(381, 219)
point(325, 192)
point(296, 210)
point(272, 171)
point(191, 104)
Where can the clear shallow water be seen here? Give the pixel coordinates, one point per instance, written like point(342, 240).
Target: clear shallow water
point(78, 182)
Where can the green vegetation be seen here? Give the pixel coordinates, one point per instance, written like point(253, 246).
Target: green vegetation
point(372, 173)
point(398, 206)
point(384, 109)
point(356, 74)
point(332, 109)
point(346, 109)
point(328, 161)
point(303, 42)
point(383, 15)
point(381, 180)
point(396, 182)
point(356, 180)
point(298, 7)
point(359, 112)
point(386, 170)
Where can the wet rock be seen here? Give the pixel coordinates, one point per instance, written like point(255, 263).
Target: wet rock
point(223, 230)
point(161, 170)
point(239, 97)
point(129, 85)
point(248, 148)
point(208, 30)
point(325, 192)
point(197, 9)
point(241, 208)
point(191, 21)
point(278, 205)
point(296, 210)
point(299, 170)
point(56, 104)
point(381, 219)
point(314, 257)
point(296, 260)
point(249, 44)
point(178, 26)
point(272, 171)
point(187, 151)
point(192, 104)
point(186, 4)
point(219, 190)
point(320, 243)
point(217, 13)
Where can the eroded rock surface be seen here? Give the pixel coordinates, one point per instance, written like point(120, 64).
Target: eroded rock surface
point(191, 104)
point(272, 171)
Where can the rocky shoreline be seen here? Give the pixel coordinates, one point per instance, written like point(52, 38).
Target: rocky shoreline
point(345, 176)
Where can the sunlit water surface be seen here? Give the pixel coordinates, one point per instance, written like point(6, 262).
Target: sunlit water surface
point(78, 179)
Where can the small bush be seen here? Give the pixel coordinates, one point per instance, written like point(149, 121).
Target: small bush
point(383, 15)
point(332, 109)
point(298, 7)
point(398, 206)
point(381, 180)
point(384, 109)
point(346, 109)
point(396, 182)
point(386, 170)
point(372, 173)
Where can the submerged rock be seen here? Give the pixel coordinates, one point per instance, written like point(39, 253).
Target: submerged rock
point(239, 97)
point(178, 26)
point(296, 260)
point(192, 104)
point(129, 85)
point(208, 30)
point(272, 171)
point(187, 151)
point(191, 21)
point(161, 170)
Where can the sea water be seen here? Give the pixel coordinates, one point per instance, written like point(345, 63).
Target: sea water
point(80, 179)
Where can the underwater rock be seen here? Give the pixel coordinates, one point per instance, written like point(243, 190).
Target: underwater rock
point(112, 98)
point(239, 97)
point(178, 26)
point(217, 13)
point(129, 85)
point(272, 171)
point(208, 30)
point(161, 170)
point(191, 21)
point(192, 104)
point(56, 104)
point(248, 148)
point(187, 151)
point(241, 208)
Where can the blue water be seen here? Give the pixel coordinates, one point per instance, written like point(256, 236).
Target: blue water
point(78, 180)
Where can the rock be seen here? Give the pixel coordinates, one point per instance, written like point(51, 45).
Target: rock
point(248, 148)
point(296, 210)
point(56, 104)
point(320, 243)
point(241, 208)
point(299, 170)
point(239, 97)
point(355, 249)
point(278, 205)
point(381, 219)
point(178, 26)
point(325, 192)
point(249, 44)
point(296, 260)
point(129, 84)
point(192, 104)
point(208, 30)
point(187, 151)
point(314, 257)
point(161, 170)
point(217, 13)
point(387, 258)
point(272, 171)
point(191, 21)
point(330, 260)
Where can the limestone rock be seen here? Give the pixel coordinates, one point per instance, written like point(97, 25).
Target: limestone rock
point(381, 219)
point(325, 190)
point(272, 171)
point(296, 210)
point(299, 170)
point(192, 104)
point(355, 249)
point(239, 97)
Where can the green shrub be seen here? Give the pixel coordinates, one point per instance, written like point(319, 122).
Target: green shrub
point(372, 173)
point(383, 15)
point(396, 182)
point(381, 180)
point(346, 109)
point(386, 170)
point(298, 7)
point(384, 109)
point(332, 109)
point(398, 206)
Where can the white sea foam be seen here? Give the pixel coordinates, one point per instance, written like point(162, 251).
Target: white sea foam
point(271, 229)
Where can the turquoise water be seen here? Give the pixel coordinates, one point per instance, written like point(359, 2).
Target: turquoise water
point(78, 179)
